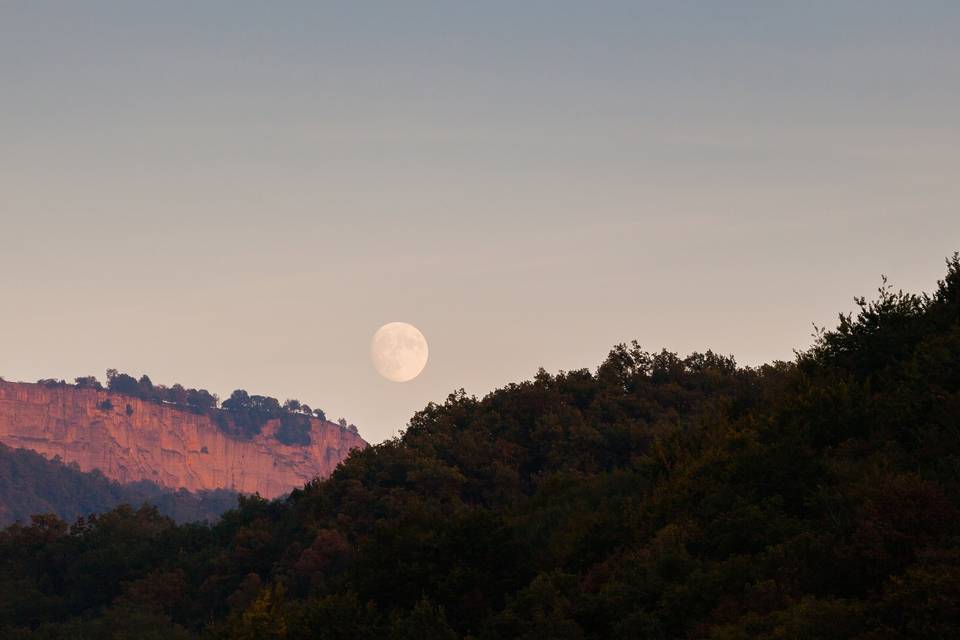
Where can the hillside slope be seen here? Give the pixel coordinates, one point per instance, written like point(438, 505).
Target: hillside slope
point(30, 484)
point(129, 439)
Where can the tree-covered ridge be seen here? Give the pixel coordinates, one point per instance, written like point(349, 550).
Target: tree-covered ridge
point(242, 415)
point(656, 497)
point(30, 484)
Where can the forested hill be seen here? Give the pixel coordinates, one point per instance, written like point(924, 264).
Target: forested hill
point(30, 484)
point(656, 497)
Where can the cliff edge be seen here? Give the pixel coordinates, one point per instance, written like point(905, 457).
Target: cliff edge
point(166, 444)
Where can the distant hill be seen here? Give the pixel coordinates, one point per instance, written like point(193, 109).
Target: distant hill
point(658, 496)
point(196, 447)
point(30, 484)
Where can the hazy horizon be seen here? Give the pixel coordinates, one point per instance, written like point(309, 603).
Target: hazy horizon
point(238, 195)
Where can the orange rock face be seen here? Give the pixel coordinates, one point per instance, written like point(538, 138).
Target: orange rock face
point(166, 444)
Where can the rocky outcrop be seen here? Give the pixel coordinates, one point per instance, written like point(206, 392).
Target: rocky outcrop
point(169, 445)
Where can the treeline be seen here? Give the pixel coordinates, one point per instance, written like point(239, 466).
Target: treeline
point(31, 484)
point(242, 415)
point(657, 497)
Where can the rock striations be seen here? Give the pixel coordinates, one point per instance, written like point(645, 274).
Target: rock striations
point(169, 445)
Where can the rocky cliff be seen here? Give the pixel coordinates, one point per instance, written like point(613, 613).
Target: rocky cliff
point(166, 444)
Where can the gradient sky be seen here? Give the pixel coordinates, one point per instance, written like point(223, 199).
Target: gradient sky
point(238, 194)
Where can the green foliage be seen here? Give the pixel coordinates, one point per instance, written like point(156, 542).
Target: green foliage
point(658, 497)
point(294, 429)
point(31, 484)
point(88, 382)
point(241, 416)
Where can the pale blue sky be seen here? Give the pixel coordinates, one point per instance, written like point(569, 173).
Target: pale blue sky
point(237, 194)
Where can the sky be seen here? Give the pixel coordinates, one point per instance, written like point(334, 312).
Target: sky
point(238, 194)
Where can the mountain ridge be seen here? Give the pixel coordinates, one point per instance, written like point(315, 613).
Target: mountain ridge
point(131, 439)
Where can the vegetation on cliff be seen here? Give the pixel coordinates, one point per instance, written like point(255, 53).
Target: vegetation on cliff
point(657, 497)
point(242, 415)
point(30, 484)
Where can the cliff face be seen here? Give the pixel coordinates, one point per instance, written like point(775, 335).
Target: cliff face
point(166, 444)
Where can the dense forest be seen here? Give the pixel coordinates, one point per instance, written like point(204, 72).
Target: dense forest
point(31, 484)
point(658, 496)
point(242, 415)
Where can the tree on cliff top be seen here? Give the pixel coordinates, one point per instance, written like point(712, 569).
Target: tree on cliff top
point(88, 382)
point(123, 383)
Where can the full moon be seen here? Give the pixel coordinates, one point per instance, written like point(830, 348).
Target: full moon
point(399, 351)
